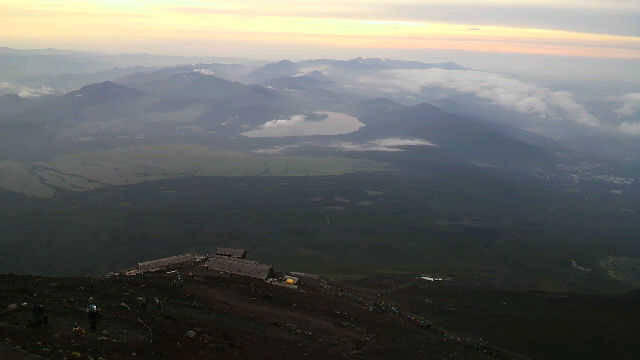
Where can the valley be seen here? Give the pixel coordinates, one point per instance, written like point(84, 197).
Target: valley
point(306, 165)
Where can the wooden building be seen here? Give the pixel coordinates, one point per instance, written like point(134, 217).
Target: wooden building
point(231, 252)
point(164, 262)
point(232, 265)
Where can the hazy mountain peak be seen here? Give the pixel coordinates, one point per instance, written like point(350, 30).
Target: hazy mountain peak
point(199, 77)
point(382, 101)
point(106, 92)
point(425, 107)
point(375, 106)
point(13, 97)
point(105, 89)
point(280, 65)
point(294, 82)
point(449, 65)
point(277, 69)
point(12, 104)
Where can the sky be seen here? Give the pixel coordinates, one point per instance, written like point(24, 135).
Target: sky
point(272, 29)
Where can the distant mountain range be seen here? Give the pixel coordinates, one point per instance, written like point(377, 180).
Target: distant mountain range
point(216, 101)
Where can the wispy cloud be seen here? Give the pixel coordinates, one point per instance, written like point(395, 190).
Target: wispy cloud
point(608, 17)
point(274, 150)
point(629, 104)
point(627, 109)
point(631, 128)
point(167, 26)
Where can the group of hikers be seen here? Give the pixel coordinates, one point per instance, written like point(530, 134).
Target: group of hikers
point(385, 307)
point(93, 314)
point(382, 307)
point(177, 280)
point(143, 304)
point(480, 344)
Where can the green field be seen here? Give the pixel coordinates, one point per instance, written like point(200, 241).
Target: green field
point(96, 169)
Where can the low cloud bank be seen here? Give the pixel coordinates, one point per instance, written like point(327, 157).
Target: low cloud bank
point(509, 94)
point(299, 125)
point(309, 70)
point(629, 104)
point(26, 92)
point(389, 145)
point(625, 107)
point(292, 121)
point(204, 72)
point(274, 150)
point(631, 128)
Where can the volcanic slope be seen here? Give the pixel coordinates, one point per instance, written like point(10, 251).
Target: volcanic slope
point(215, 316)
point(229, 318)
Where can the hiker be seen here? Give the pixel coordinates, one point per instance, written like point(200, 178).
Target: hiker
point(159, 305)
point(38, 311)
point(40, 317)
point(92, 311)
point(177, 281)
point(143, 303)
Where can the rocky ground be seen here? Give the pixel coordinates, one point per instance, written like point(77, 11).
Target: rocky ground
point(214, 316)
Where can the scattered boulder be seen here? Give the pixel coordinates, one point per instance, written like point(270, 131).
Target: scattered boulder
point(190, 334)
point(12, 307)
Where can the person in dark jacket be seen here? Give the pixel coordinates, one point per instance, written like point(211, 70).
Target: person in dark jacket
point(143, 303)
point(92, 312)
point(159, 305)
point(41, 317)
